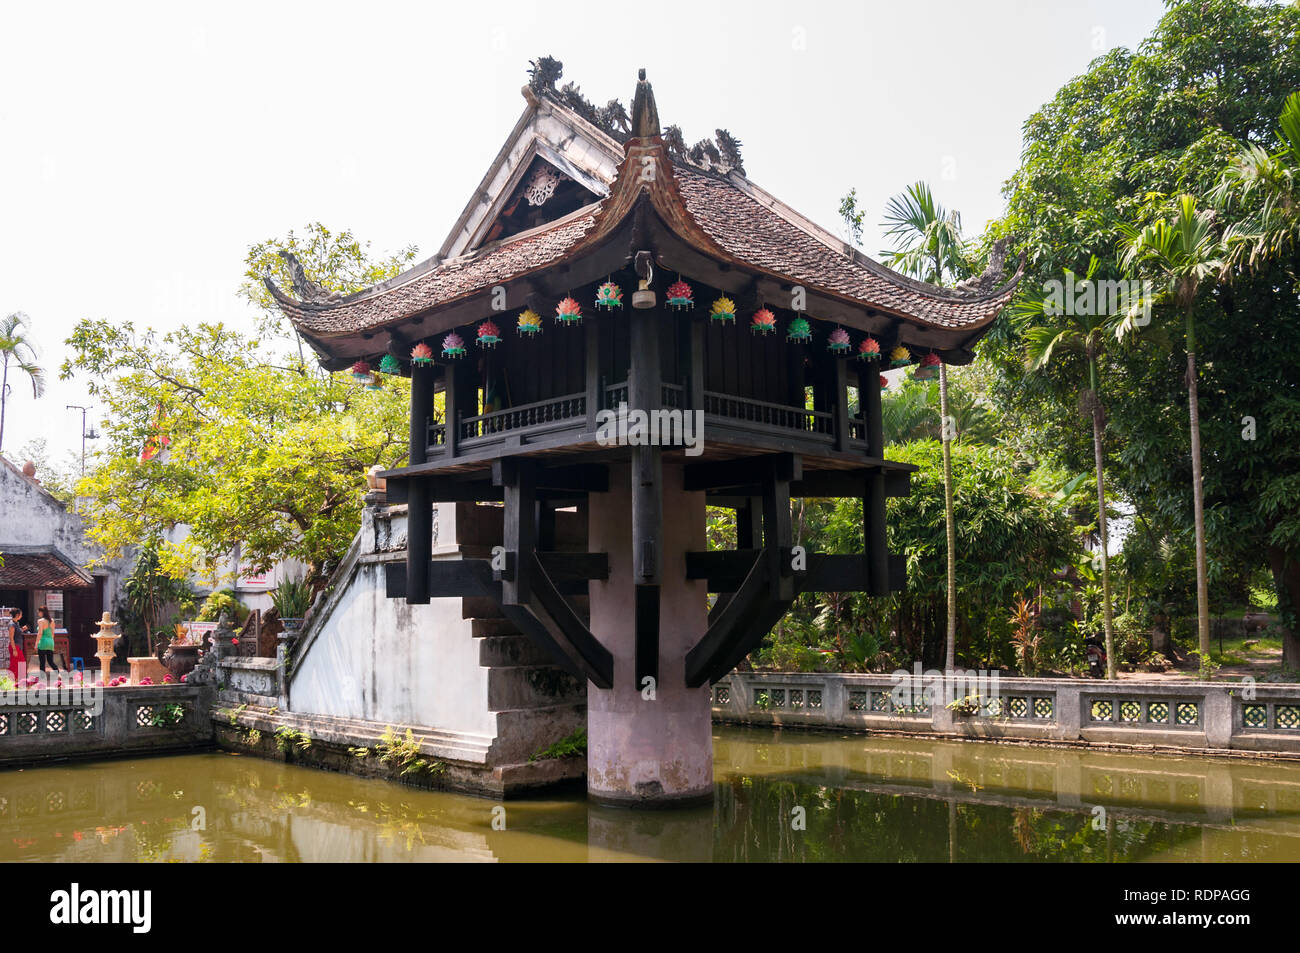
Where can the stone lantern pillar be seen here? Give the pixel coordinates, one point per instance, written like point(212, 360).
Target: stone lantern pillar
point(104, 647)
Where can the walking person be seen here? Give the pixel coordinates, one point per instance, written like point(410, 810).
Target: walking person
point(45, 639)
point(12, 636)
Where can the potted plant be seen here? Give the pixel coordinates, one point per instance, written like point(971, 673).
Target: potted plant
point(182, 655)
point(291, 599)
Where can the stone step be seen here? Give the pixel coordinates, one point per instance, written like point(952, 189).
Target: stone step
point(507, 651)
point(522, 732)
point(532, 686)
point(480, 608)
point(492, 627)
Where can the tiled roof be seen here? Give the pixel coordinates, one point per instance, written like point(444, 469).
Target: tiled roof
point(762, 237)
point(39, 571)
point(446, 282)
point(715, 213)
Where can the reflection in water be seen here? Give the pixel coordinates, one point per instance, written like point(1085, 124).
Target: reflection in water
point(780, 796)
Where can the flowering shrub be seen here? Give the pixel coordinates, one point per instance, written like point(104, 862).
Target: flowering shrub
point(146, 680)
point(167, 679)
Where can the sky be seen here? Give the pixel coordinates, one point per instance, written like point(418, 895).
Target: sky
point(144, 147)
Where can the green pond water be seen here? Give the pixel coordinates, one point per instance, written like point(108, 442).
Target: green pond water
point(861, 798)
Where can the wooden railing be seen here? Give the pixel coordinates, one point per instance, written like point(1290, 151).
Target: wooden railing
point(558, 410)
point(571, 410)
point(743, 410)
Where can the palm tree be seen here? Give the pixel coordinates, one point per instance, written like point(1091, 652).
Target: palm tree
point(1183, 251)
point(18, 350)
point(1048, 332)
point(1271, 231)
point(928, 245)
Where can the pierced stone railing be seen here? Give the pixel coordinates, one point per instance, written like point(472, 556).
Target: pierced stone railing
point(38, 726)
point(1258, 717)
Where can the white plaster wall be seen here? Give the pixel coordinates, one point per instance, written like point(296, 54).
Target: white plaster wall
point(383, 660)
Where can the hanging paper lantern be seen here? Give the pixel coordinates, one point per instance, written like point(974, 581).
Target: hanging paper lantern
point(900, 357)
point(568, 312)
point(390, 365)
point(869, 349)
point(884, 381)
point(373, 383)
point(724, 310)
point(679, 296)
point(928, 369)
point(453, 345)
point(799, 330)
point(421, 354)
point(360, 371)
point(609, 296)
point(763, 322)
point(488, 334)
point(530, 322)
point(839, 342)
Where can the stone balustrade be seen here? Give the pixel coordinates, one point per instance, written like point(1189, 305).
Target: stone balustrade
point(1177, 714)
point(39, 725)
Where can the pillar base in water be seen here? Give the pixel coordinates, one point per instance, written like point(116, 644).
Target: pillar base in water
point(643, 751)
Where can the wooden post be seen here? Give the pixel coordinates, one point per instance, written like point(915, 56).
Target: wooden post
point(451, 404)
point(749, 524)
point(873, 504)
point(695, 362)
point(840, 402)
point(645, 393)
point(593, 371)
point(419, 510)
point(520, 536)
point(869, 408)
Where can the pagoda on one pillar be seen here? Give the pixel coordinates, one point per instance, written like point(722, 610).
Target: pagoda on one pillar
point(626, 326)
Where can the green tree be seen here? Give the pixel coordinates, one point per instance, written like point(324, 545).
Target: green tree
point(16, 348)
point(1053, 331)
point(1185, 251)
point(1166, 119)
point(253, 447)
point(150, 592)
point(1266, 186)
point(928, 245)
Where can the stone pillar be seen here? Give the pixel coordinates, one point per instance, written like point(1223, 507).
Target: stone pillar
point(641, 751)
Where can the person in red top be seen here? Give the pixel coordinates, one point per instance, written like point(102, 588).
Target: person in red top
point(14, 637)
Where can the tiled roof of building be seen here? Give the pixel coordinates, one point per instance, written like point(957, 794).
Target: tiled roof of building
point(723, 215)
point(43, 570)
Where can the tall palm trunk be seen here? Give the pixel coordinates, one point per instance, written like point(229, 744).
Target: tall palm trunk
point(1098, 424)
point(946, 435)
point(1198, 501)
point(4, 396)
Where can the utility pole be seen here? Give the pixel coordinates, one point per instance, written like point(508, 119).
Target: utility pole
point(91, 435)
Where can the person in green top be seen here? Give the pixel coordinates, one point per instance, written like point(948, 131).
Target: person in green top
point(45, 639)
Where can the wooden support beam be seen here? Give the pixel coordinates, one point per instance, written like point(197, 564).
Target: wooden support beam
point(419, 508)
point(742, 472)
point(547, 620)
point(520, 526)
point(724, 633)
point(777, 535)
point(749, 524)
point(565, 566)
point(559, 619)
point(726, 570)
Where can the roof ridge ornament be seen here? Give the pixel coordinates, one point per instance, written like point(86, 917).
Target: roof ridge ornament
point(988, 279)
point(645, 115)
point(308, 291)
